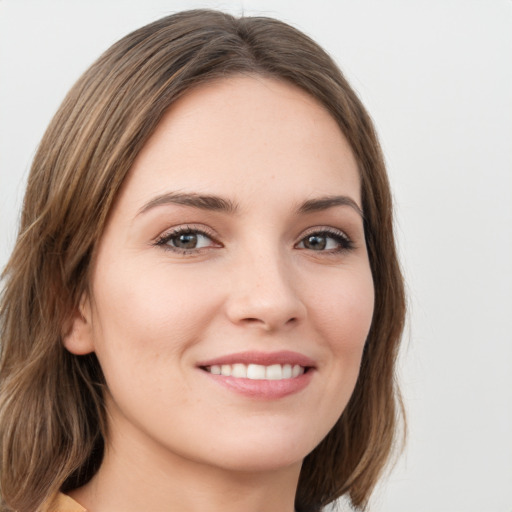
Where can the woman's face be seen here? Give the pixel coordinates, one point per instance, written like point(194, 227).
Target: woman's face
point(231, 292)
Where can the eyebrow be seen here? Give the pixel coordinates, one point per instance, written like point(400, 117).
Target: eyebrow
point(324, 203)
point(219, 204)
point(203, 202)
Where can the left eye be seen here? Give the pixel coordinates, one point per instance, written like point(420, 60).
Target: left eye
point(325, 241)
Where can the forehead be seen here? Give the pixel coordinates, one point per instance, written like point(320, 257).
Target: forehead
point(245, 134)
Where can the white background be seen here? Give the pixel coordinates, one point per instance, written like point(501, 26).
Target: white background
point(437, 78)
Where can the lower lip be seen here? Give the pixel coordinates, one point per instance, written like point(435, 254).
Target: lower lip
point(263, 389)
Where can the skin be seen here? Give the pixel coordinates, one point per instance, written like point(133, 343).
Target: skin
point(178, 440)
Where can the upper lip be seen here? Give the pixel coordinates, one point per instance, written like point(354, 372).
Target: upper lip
point(261, 358)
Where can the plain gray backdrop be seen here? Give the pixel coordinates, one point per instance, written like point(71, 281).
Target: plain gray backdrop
point(437, 78)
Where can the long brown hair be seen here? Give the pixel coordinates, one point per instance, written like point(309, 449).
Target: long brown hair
point(52, 424)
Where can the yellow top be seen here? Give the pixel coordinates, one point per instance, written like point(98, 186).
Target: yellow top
point(63, 503)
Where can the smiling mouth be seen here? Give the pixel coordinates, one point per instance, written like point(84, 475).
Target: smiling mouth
point(260, 375)
point(257, 371)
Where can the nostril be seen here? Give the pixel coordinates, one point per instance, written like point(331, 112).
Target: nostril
point(270, 311)
point(268, 324)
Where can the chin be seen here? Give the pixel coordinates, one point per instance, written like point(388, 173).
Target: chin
point(252, 462)
point(266, 450)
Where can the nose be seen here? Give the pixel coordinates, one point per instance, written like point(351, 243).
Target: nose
point(264, 295)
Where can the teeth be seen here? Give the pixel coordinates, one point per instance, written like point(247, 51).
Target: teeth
point(287, 371)
point(274, 372)
point(257, 371)
point(225, 369)
point(239, 371)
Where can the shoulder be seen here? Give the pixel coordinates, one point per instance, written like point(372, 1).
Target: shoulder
point(62, 503)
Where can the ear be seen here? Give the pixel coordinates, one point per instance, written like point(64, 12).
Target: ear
point(77, 333)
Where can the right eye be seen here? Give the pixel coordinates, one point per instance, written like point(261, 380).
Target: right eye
point(186, 240)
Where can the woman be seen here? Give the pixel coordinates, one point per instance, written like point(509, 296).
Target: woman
point(204, 305)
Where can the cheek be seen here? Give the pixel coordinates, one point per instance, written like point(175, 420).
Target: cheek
point(146, 313)
point(345, 307)
point(341, 312)
point(343, 315)
point(146, 320)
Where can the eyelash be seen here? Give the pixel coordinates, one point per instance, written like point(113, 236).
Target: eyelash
point(163, 241)
point(345, 244)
